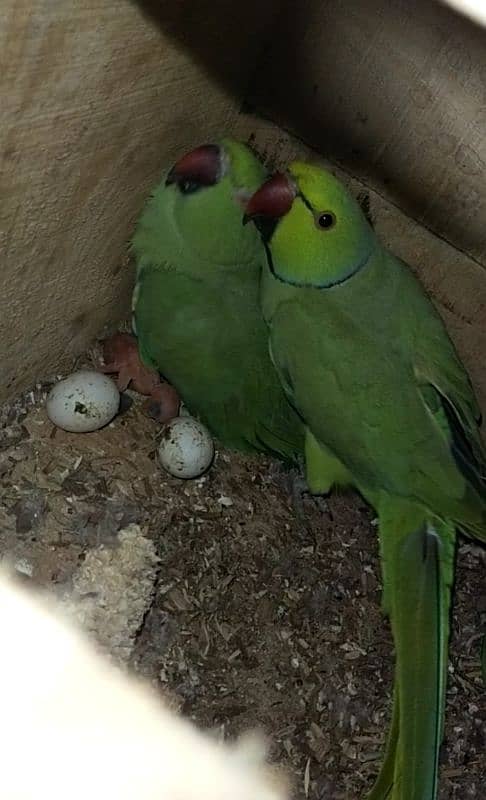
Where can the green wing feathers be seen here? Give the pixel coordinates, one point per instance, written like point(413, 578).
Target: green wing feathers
point(188, 329)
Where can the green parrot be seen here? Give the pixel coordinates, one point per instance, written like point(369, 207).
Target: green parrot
point(389, 409)
point(196, 308)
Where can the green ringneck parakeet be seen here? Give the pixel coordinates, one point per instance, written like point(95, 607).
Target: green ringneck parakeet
point(196, 305)
point(388, 407)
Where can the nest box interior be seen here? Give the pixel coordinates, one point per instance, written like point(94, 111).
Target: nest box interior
point(253, 618)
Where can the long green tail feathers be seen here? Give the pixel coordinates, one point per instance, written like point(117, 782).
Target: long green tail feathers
point(418, 562)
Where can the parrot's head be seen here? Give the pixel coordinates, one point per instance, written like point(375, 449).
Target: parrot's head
point(206, 192)
point(315, 232)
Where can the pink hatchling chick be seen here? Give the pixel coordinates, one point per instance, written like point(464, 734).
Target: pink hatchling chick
point(120, 355)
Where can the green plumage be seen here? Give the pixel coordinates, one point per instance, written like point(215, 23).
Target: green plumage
point(196, 308)
point(366, 361)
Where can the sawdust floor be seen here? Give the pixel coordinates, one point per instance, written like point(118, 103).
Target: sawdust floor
point(256, 619)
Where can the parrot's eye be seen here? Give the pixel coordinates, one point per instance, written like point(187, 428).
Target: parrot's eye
point(188, 187)
point(326, 220)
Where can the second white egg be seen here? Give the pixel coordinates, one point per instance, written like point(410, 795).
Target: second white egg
point(186, 449)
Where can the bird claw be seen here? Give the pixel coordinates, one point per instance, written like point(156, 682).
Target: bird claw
point(299, 488)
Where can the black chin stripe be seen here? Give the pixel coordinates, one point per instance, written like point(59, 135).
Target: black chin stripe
point(306, 202)
point(270, 260)
point(266, 227)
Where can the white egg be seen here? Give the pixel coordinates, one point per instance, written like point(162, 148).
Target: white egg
point(83, 402)
point(186, 449)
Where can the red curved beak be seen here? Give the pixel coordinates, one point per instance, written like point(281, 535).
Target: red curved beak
point(202, 166)
point(273, 199)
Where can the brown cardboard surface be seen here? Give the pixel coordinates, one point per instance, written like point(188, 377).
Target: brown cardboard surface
point(95, 99)
point(394, 90)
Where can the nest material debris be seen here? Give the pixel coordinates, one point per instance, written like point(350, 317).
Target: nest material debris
point(242, 615)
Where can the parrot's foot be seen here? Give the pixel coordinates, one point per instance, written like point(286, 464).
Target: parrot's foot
point(163, 404)
point(322, 503)
point(299, 488)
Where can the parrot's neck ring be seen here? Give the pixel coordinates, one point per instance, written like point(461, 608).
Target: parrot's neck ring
point(310, 284)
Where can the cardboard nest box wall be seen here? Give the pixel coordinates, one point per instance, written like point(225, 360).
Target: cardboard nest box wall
point(98, 97)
